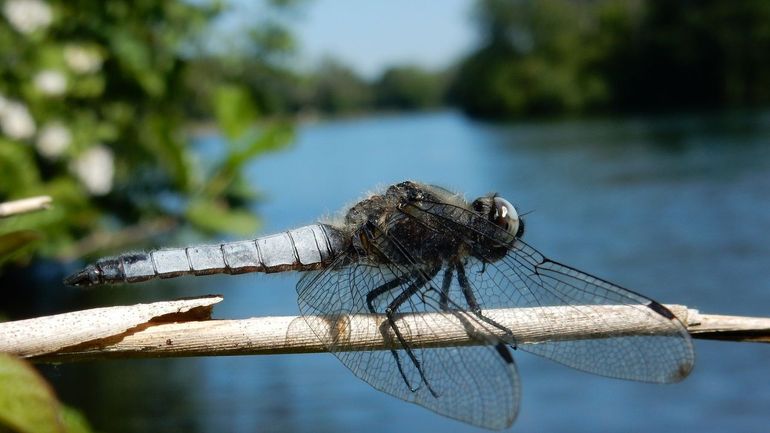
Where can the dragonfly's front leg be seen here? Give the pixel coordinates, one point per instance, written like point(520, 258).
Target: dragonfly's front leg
point(444, 300)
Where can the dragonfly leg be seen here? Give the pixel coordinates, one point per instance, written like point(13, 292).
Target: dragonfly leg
point(421, 281)
point(370, 298)
point(445, 284)
point(501, 349)
point(418, 279)
point(473, 304)
point(379, 291)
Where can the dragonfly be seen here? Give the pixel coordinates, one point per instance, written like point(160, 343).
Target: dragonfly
point(415, 248)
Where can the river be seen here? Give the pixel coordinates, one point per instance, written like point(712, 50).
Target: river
point(675, 207)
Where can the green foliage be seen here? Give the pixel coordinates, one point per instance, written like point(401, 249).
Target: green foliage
point(257, 57)
point(338, 89)
point(234, 110)
point(332, 88)
point(211, 216)
point(28, 404)
point(563, 56)
point(74, 421)
point(14, 242)
point(272, 42)
point(213, 209)
point(409, 88)
point(532, 61)
point(682, 54)
point(94, 99)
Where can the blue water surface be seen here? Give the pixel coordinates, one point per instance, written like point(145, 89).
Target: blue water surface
point(677, 208)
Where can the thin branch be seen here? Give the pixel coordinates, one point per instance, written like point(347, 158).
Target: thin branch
point(31, 204)
point(185, 328)
point(731, 328)
point(101, 240)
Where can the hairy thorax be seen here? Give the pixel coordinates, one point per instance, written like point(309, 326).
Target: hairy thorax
point(385, 230)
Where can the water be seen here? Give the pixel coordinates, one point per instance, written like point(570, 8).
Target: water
point(677, 208)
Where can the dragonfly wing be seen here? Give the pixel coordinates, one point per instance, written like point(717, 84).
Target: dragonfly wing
point(525, 278)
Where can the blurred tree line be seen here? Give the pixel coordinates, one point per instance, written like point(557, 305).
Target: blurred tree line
point(549, 57)
point(332, 88)
point(565, 56)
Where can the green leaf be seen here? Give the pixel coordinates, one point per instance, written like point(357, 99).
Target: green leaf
point(74, 421)
point(27, 403)
point(253, 145)
point(169, 150)
point(274, 138)
point(235, 110)
point(137, 58)
point(215, 217)
point(18, 171)
point(12, 243)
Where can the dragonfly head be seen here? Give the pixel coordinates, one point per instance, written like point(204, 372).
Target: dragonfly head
point(501, 212)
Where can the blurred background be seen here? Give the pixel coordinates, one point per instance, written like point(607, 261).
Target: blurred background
point(636, 133)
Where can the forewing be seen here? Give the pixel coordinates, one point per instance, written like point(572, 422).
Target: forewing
point(475, 384)
point(525, 278)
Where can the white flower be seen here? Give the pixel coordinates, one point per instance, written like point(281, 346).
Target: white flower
point(27, 16)
point(16, 121)
point(53, 140)
point(95, 168)
point(51, 82)
point(82, 60)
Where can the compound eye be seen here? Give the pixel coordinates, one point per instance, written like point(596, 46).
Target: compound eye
point(505, 216)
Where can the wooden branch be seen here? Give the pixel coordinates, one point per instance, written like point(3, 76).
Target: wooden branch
point(185, 328)
point(97, 327)
point(730, 328)
point(31, 204)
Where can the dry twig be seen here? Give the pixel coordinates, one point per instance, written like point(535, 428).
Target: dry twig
point(185, 328)
point(31, 204)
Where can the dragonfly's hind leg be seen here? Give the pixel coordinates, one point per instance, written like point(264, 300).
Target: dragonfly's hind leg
point(417, 280)
point(421, 281)
point(446, 283)
point(473, 304)
point(370, 298)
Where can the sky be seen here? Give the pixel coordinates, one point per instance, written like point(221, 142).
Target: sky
point(372, 35)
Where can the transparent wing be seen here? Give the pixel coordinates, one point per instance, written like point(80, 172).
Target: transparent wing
point(475, 384)
point(525, 278)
